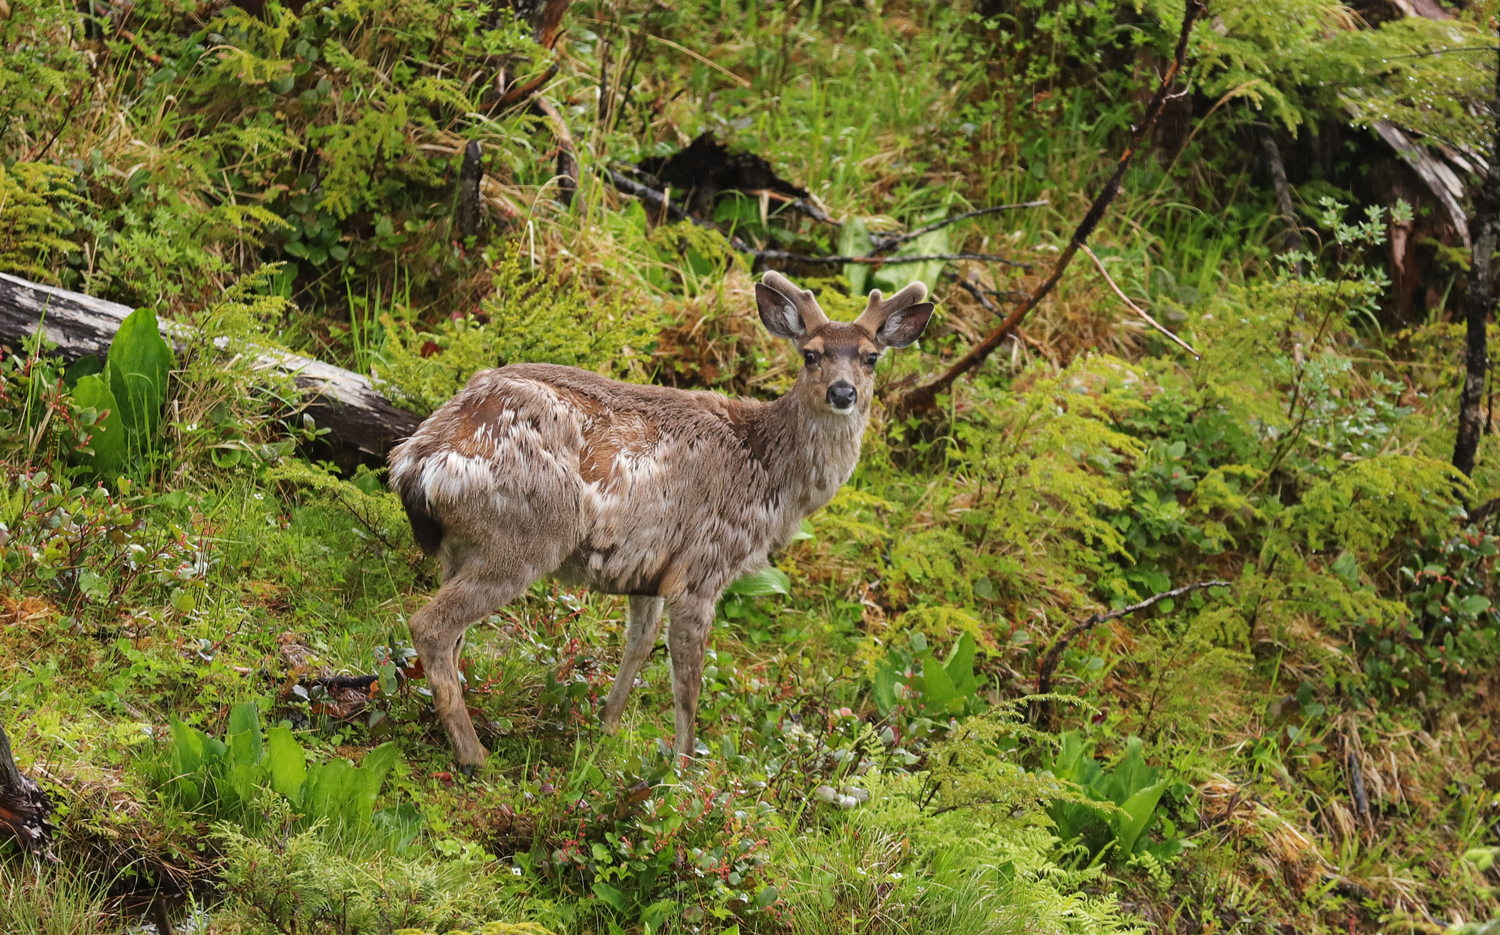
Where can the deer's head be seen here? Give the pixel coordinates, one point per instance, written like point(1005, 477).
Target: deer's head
point(839, 357)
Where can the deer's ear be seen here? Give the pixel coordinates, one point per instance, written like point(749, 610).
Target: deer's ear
point(904, 326)
point(778, 313)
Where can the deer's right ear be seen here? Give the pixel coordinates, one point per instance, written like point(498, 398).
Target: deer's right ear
point(778, 313)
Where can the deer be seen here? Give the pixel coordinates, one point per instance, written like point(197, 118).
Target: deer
point(662, 495)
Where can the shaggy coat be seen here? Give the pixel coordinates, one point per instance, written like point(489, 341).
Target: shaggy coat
point(661, 494)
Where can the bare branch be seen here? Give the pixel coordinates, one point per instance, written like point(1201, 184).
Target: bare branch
point(923, 399)
point(882, 260)
point(1054, 655)
point(978, 292)
point(882, 244)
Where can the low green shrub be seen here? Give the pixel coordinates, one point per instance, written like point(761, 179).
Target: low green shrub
point(648, 843)
point(915, 679)
point(1454, 629)
point(286, 878)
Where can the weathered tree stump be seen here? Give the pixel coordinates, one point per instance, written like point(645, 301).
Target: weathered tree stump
point(25, 810)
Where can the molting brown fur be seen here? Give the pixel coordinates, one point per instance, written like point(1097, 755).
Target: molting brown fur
point(662, 494)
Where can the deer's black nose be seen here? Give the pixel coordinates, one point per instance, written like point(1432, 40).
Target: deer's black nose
point(842, 395)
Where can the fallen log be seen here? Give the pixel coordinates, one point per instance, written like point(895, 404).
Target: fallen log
point(362, 425)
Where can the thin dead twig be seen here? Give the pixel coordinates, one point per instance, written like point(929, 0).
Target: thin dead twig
point(882, 244)
point(923, 399)
point(883, 260)
point(1136, 308)
point(977, 291)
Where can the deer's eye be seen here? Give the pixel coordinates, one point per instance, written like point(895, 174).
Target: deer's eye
point(872, 359)
point(810, 358)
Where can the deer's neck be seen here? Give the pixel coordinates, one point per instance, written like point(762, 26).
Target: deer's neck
point(809, 452)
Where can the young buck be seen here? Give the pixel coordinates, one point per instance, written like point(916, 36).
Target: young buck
point(664, 495)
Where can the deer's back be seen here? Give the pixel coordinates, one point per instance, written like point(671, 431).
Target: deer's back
point(633, 489)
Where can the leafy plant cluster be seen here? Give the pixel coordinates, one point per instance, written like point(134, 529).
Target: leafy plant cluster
point(1130, 786)
point(224, 778)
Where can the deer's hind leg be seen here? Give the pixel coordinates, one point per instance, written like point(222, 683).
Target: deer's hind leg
point(642, 625)
point(437, 632)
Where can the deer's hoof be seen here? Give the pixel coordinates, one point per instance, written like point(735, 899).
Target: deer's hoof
point(468, 770)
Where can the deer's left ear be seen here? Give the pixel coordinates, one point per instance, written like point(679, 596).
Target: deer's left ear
point(903, 326)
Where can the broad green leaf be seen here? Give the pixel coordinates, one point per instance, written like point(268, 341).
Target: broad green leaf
point(762, 583)
point(107, 438)
point(187, 748)
point(327, 788)
point(1132, 774)
point(1474, 604)
point(139, 361)
point(893, 277)
point(84, 366)
point(287, 763)
point(937, 689)
point(401, 824)
point(243, 780)
point(1139, 809)
point(960, 666)
point(611, 897)
point(243, 735)
point(371, 774)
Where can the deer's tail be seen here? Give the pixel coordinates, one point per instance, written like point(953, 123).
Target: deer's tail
point(425, 527)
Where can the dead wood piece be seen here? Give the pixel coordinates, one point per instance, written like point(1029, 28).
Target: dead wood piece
point(1283, 189)
point(362, 425)
point(706, 167)
point(1357, 790)
point(923, 399)
point(664, 205)
point(883, 260)
point(470, 177)
point(25, 810)
point(567, 152)
point(1484, 511)
point(1479, 303)
point(1442, 181)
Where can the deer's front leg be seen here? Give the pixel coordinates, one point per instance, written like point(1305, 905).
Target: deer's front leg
point(691, 620)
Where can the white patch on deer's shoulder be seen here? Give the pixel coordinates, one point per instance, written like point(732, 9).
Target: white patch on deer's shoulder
point(400, 468)
point(448, 476)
